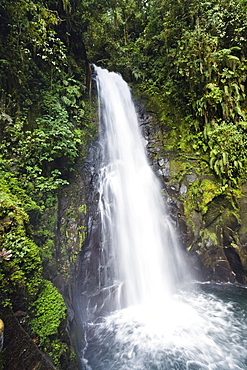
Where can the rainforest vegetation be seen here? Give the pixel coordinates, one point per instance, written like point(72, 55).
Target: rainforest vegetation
point(189, 59)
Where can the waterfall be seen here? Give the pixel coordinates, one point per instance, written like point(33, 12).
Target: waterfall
point(131, 311)
point(137, 236)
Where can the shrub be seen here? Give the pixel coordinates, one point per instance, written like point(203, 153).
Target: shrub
point(48, 311)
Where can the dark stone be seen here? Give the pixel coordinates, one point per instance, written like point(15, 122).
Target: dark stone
point(236, 264)
point(191, 177)
point(19, 350)
point(214, 212)
point(222, 273)
point(243, 216)
point(198, 271)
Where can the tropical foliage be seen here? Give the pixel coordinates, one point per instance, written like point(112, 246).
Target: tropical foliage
point(189, 57)
point(191, 54)
point(45, 125)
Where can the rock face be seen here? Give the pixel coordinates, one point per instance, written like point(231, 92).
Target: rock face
point(88, 300)
point(210, 219)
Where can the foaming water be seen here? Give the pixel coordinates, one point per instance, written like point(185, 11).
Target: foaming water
point(139, 317)
point(196, 330)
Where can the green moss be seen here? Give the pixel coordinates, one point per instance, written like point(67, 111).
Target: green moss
point(210, 189)
point(47, 249)
point(48, 311)
point(192, 201)
point(178, 169)
point(202, 192)
point(56, 349)
point(22, 272)
point(83, 208)
point(209, 236)
point(82, 234)
point(10, 184)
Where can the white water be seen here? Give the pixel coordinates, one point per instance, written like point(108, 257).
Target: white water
point(153, 325)
point(196, 330)
point(137, 232)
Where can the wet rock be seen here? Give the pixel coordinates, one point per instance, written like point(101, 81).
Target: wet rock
point(183, 190)
point(197, 222)
point(214, 212)
point(164, 169)
point(243, 216)
point(223, 273)
point(236, 264)
point(191, 177)
point(19, 351)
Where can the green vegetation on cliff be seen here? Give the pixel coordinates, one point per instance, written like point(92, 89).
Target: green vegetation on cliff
point(194, 56)
point(45, 125)
point(22, 271)
point(188, 57)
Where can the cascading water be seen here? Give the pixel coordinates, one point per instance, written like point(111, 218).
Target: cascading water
point(137, 233)
point(142, 319)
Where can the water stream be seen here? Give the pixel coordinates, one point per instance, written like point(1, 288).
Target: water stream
point(157, 318)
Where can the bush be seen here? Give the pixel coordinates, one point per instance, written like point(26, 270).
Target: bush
point(48, 310)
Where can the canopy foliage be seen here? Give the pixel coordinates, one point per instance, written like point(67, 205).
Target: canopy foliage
point(189, 53)
point(192, 55)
